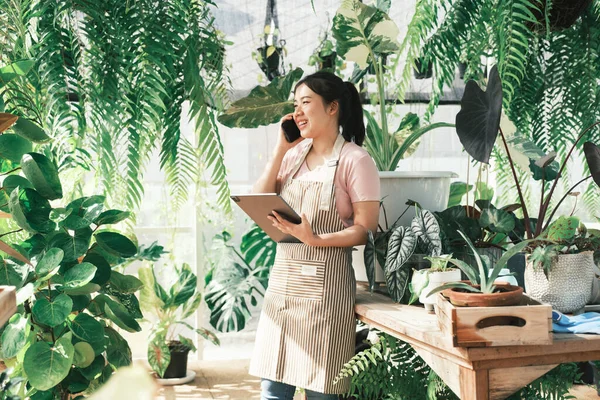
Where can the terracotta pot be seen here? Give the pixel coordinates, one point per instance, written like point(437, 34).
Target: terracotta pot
point(509, 296)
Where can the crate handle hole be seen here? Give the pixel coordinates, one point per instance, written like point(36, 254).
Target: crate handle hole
point(501, 321)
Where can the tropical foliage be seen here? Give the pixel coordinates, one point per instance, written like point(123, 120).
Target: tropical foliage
point(547, 56)
point(110, 82)
point(238, 277)
point(171, 307)
point(63, 261)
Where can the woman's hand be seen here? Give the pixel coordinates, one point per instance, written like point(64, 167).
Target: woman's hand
point(283, 145)
point(302, 231)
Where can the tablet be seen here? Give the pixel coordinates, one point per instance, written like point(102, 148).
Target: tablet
point(259, 206)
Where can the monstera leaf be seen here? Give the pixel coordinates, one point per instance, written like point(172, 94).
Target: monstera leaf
point(264, 105)
point(361, 30)
point(592, 156)
point(478, 120)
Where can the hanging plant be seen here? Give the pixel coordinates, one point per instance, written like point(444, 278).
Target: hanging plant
point(270, 56)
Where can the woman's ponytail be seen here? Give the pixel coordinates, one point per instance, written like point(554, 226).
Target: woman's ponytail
point(353, 126)
point(332, 88)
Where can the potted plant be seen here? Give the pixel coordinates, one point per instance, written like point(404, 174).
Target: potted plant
point(425, 280)
point(401, 249)
point(479, 123)
point(168, 349)
point(560, 271)
point(481, 290)
point(324, 55)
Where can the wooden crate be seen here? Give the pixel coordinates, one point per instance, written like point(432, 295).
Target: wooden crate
point(8, 303)
point(528, 323)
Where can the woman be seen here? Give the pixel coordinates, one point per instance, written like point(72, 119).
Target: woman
point(307, 328)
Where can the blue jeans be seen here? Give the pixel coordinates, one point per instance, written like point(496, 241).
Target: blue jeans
point(271, 390)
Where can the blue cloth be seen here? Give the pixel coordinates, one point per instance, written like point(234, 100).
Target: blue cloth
point(588, 322)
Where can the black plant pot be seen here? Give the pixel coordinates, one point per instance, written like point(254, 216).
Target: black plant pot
point(462, 68)
point(270, 64)
point(420, 72)
point(328, 61)
point(563, 13)
point(177, 368)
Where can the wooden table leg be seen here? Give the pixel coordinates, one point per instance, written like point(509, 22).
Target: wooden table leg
point(474, 384)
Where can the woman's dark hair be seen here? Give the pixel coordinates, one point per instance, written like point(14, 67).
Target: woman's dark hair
point(332, 88)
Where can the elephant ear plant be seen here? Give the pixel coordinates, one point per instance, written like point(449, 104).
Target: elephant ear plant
point(478, 124)
point(63, 339)
point(171, 306)
point(393, 249)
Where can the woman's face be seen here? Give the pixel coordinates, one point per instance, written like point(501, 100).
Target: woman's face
point(311, 114)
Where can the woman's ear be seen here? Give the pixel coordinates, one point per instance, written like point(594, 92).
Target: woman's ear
point(334, 106)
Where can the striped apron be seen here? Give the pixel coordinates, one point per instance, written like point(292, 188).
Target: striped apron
point(307, 328)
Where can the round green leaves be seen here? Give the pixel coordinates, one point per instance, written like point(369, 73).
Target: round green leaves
point(116, 244)
point(12, 147)
point(45, 365)
point(42, 174)
point(52, 312)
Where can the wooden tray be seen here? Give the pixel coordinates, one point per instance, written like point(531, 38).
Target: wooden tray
point(8, 303)
point(528, 323)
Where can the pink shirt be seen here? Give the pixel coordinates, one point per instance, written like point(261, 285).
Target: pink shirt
point(356, 178)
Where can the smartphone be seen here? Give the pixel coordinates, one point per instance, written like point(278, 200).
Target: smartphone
point(290, 130)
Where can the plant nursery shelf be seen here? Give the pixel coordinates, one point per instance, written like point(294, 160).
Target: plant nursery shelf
point(8, 303)
point(473, 373)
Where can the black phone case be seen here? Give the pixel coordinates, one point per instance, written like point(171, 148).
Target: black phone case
point(290, 130)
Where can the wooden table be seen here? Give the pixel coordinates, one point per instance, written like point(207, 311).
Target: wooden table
point(479, 373)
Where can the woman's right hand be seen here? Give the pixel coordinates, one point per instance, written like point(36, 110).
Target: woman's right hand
point(283, 145)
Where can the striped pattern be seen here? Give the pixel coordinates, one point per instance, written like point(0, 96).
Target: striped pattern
point(307, 327)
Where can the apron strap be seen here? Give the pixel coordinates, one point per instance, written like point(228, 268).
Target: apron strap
point(332, 164)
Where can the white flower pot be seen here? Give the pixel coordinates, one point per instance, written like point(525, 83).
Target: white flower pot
point(569, 284)
point(430, 189)
point(437, 279)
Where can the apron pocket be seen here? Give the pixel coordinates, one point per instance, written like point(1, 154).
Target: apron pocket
point(298, 278)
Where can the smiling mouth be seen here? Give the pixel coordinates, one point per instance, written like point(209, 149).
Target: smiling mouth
point(302, 124)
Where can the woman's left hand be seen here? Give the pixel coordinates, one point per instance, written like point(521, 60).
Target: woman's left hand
point(302, 231)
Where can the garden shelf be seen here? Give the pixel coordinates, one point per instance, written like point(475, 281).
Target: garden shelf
point(529, 323)
point(8, 303)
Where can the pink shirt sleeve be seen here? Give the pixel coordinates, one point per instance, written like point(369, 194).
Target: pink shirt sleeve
point(359, 176)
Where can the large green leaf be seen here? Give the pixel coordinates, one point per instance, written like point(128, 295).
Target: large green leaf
point(83, 212)
point(497, 220)
point(72, 246)
point(30, 131)
point(54, 312)
point(563, 229)
point(401, 247)
point(49, 263)
point(46, 366)
point(11, 274)
point(103, 270)
point(14, 336)
point(148, 298)
point(258, 247)
point(112, 217)
point(87, 328)
point(79, 275)
point(93, 370)
point(478, 120)
point(12, 147)
point(118, 314)
point(116, 244)
point(427, 230)
point(159, 355)
point(360, 30)
point(592, 156)
point(11, 71)
point(457, 192)
point(31, 211)
point(42, 174)
point(125, 283)
point(118, 353)
point(185, 286)
point(264, 105)
point(525, 153)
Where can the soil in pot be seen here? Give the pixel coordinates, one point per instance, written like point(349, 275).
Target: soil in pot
point(179, 356)
point(504, 295)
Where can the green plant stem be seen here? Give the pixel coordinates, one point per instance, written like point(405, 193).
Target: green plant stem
point(521, 198)
point(10, 172)
point(543, 210)
point(563, 198)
